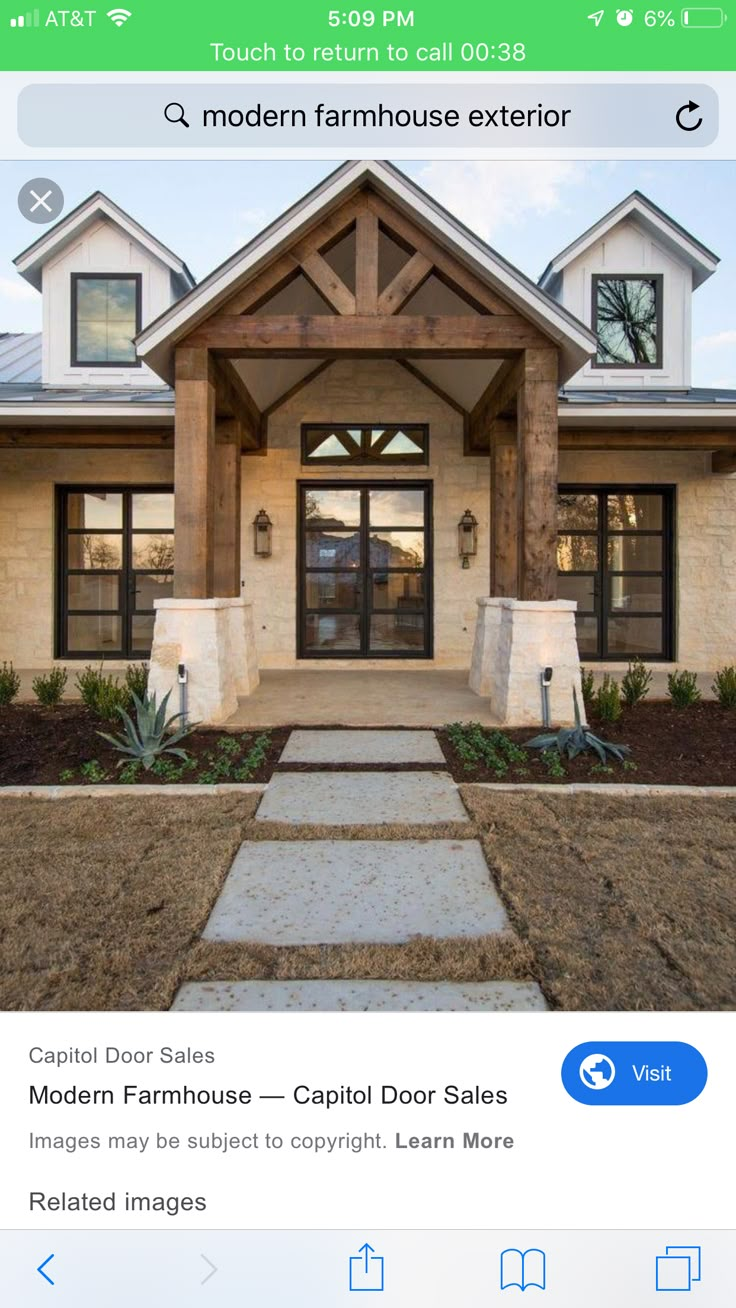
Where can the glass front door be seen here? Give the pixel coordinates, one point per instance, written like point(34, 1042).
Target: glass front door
point(116, 556)
point(614, 556)
point(364, 570)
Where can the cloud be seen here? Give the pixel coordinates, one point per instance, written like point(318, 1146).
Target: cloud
point(250, 221)
point(719, 341)
point(489, 195)
point(12, 288)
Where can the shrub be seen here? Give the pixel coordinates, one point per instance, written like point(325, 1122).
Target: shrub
point(588, 682)
point(102, 694)
point(572, 741)
point(607, 700)
point(635, 684)
point(9, 683)
point(136, 681)
point(152, 735)
point(724, 687)
point(682, 688)
point(50, 688)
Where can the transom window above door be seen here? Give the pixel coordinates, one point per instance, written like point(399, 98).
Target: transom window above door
point(340, 443)
point(106, 316)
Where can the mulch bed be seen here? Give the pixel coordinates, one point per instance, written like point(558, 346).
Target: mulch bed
point(38, 744)
point(695, 746)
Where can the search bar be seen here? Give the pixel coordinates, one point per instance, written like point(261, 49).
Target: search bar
point(307, 115)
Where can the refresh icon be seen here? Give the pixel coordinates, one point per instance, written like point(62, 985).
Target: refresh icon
point(681, 117)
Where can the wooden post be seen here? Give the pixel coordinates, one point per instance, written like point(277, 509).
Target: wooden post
point(194, 475)
point(366, 263)
point(228, 460)
point(537, 476)
point(504, 552)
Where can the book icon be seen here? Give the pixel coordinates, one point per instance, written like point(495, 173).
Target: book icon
point(523, 1269)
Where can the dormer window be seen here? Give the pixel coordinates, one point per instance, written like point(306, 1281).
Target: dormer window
point(106, 316)
point(627, 314)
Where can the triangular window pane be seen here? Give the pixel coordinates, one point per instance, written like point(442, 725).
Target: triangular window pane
point(402, 444)
point(330, 448)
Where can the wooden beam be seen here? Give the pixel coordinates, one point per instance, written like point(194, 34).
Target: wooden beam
point(500, 393)
point(504, 519)
point(228, 456)
point(327, 283)
point(287, 266)
point(63, 438)
point(446, 266)
point(194, 479)
point(233, 399)
point(406, 282)
point(648, 439)
point(366, 263)
point(299, 336)
point(537, 476)
point(724, 462)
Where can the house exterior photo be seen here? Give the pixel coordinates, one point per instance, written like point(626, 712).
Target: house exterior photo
point(365, 441)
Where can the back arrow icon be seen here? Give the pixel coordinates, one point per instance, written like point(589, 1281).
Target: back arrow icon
point(209, 1275)
point(42, 1273)
point(688, 108)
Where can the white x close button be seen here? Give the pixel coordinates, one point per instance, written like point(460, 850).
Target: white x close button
point(41, 200)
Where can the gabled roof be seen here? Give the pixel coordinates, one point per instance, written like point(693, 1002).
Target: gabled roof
point(155, 344)
point(20, 357)
point(31, 261)
point(637, 206)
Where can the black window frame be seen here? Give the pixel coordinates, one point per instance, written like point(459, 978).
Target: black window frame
point(603, 573)
point(126, 573)
point(365, 570)
point(364, 459)
point(658, 279)
point(76, 278)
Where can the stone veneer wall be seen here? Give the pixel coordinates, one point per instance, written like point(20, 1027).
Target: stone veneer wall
point(705, 544)
point(364, 392)
point(27, 534)
point(706, 519)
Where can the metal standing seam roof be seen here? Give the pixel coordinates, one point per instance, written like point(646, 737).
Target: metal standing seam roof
point(20, 357)
point(692, 395)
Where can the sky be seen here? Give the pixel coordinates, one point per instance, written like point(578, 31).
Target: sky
point(204, 211)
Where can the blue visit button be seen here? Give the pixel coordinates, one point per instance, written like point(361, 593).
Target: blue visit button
point(634, 1072)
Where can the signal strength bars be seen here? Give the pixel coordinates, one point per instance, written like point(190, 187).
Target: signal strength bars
point(32, 19)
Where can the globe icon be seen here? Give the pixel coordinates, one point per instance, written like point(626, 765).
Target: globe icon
point(597, 1071)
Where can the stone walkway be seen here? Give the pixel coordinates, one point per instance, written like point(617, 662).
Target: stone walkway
point(330, 891)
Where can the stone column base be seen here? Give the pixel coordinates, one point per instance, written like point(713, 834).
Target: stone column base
point(514, 641)
point(215, 640)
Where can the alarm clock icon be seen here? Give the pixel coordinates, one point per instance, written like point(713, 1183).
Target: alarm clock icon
point(624, 17)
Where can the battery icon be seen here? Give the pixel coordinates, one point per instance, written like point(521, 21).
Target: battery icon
point(703, 18)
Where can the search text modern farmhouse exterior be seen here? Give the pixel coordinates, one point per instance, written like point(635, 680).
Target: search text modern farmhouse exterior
point(365, 437)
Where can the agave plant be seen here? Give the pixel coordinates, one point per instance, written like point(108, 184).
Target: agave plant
point(577, 740)
point(152, 734)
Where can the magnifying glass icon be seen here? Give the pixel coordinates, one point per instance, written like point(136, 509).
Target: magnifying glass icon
point(174, 113)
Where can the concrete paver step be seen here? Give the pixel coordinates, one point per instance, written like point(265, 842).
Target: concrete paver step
point(359, 996)
point(363, 747)
point(310, 892)
point(361, 798)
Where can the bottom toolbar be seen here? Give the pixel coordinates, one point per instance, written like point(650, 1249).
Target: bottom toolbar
point(324, 1269)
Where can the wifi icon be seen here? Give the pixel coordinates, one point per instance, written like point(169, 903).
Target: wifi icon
point(119, 16)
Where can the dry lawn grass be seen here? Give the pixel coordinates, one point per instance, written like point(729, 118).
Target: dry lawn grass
point(627, 903)
point(101, 899)
point(423, 959)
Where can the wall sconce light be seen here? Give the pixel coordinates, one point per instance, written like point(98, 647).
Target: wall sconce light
point(262, 535)
point(467, 537)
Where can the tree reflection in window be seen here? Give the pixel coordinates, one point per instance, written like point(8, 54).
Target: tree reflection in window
point(628, 321)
